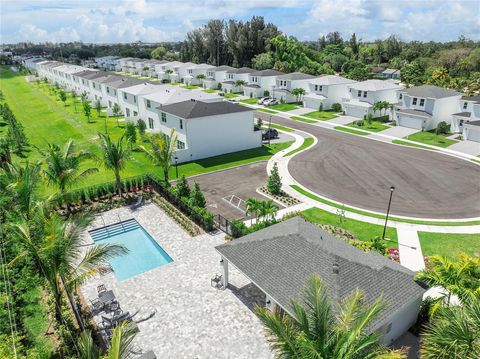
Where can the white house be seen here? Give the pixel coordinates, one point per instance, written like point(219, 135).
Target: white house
point(362, 95)
point(111, 87)
point(261, 82)
point(326, 90)
point(207, 129)
point(424, 107)
point(194, 71)
point(471, 131)
point(241, 74)
point(285, 84)
point(31, 63)
point(106, 62)
point(180, 71)
point(215, 76)
point(130, 97)
point(469, 111)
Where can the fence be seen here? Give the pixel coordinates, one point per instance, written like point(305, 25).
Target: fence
point(223, 224)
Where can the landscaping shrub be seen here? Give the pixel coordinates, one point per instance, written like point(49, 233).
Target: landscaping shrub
point(442, 128)
point(360, 123)
point(238, 228)
point(197, 197)
point(142, 127)
point(131, 133)
point(336, 107)
point(266, 93)
point(183, 189)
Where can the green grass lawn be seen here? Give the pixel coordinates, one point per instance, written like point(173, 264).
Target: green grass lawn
point(265, 110)
point(362, 230)
point(46, 120)
point(430, 138)
point(250, 101)
point(190, 87)
point(405, 143)
point(351, 130)
point(296, 118)
point(449, 244)
point(210, 90)
point(175, 83)
point(321, 115)
point(230, 95)
point(375, 126)
point(307, 142)
point(284, 107)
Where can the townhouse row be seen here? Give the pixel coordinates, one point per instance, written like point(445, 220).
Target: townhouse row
point(204, 123)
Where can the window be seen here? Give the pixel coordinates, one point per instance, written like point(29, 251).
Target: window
point(359, 93)
point(364, 93)
point(125, 95)
point(181, 124)
point(109, 103)
point(320, 88)
point(108, 89)
point(127, 110)
point(135, 113)
point(164, 117)
point(316, 87)
point(180, 145)
point(414, 101)
point(135, 99)
point(422, 102)
point(93, 84)
point(150, 123)
point(400, 96)
point(149, 104)
point(465, 105)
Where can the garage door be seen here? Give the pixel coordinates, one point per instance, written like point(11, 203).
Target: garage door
point(410, 122)
point(355, 111)
point(311, 103)
point(473, 135)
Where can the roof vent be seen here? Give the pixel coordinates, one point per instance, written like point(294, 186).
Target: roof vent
point(192, 99)
point(336, 268)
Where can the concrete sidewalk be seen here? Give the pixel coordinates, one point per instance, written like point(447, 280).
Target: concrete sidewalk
point(409, 247)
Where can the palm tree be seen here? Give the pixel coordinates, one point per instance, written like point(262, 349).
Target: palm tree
point(319, 332)
point(74, 100)
point(115, 156)
point(64, 167)
point(298, 93)
point(161, 154)
point(267, 210)
point(169, 72)
point(200, 77)
point(121, 345)
point(253, 207)
point(240, 84)
point(454, 332)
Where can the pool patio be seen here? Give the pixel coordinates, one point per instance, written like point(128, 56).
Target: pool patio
point(190, 318)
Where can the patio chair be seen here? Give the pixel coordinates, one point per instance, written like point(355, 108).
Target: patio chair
point(216, 281)
point(107, 322)
point(148, 355)
point(101, 288)
point(96, 306)
point(113, 307)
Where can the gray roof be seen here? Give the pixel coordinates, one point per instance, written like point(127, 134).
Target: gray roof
point(431, 91)
point(94, 75)
point(267, 73)
point(471, 98)
point(252, 86)
point(241, 70)
point(390, 71)
point(229, 82)
point(462, 114)
point(475, 123)
point(125, 81)
point(194, 109)
point(280, 259)
point(410, 111)
point(295, 76)
point(222, 68)
point(83, 73)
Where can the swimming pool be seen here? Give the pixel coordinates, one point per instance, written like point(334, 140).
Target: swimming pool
point(144, 253)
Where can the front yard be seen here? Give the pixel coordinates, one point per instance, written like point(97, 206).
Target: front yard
point(190, 87)
point(284, 107)
point(321, 115)
point(448, 244)
point(230, 95)
point(430, 138)
point(210, 91)
point(374, 126)
point(250, 101)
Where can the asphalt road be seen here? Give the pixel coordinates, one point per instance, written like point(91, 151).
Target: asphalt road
point(359, 172)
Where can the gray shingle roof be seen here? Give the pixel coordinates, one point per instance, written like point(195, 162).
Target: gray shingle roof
point(281, 258)
point(125, 81)
point(267, 73)
point(471, 98)
point(462, 114)
point(241, 70)
point(475, 123)
point(222, 68)
point(195, 109)
point(295, 76)
point(431, 91)
point(410, 111)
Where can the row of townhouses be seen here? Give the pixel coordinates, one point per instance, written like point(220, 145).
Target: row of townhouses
point(421, 107)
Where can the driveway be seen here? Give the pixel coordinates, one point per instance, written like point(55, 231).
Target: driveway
point(399, 131)
point(301, 111)
point(226, 191)
point(343, 120)
point(359, 172)
point(468, 147)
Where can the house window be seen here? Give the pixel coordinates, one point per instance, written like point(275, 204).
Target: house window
point(359, 93)
point(316, 87)
point(108, 89)
point(135, 113)
point(414, 101)
point(181, 124)
point(135, 99)
point(125, 95)
point(115, 92)
point(149, 104)
point(150, 123)
point(164, 117)
point(180, 145)
point(465, 105)
point(93, 84)
point(400, 96)
point(320, 88)
point(110, 104)
point(364, 93)
point(422, 102)
point(127, 110)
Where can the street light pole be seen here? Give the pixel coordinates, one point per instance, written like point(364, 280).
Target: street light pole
point(392, 188)
point(269, 129)
point(176, 166)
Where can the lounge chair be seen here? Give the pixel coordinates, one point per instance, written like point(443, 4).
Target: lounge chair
point(148, 355)
point(101, 288)
point(113, 307)
point(216, 281)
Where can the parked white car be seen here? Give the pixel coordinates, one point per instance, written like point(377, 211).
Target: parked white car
point(270, 102)
point(262, 100)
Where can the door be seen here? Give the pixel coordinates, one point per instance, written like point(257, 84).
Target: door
point(473, 135)
point(358, 112)
point(410, 122)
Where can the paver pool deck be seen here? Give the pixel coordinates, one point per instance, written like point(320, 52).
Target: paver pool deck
point(190, 318)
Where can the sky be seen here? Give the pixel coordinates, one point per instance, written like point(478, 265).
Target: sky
point(110, 21)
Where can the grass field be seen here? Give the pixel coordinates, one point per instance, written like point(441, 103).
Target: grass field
point(362, 230)
point(282, 128)
point(430, 138)
point(321, 115)
point(47, 120)
point(210, 91)
point(375, 126)
point(250, 101)
point(230, 95)
point(307, 142)
point(283, 107)
point(449, 244)
point(351, 130)
point(296, 118)
point(266, 110)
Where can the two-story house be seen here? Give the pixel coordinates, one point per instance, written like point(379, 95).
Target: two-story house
point(215, 76)
point(261, 83)
point(326, 90)
point(467, 121)
point(180, 71)
point(362, 95)
point(241, 74)
point(194, 71)
point(424, 107)
point(207, 129)
point(129, 99)
point(111, 87)
point(285, 84)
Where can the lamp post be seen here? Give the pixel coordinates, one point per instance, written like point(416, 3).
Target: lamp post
point(269, 128)
point(392, 188)
point(176, 166)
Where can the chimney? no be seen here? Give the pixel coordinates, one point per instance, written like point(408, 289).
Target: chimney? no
point(336, 268)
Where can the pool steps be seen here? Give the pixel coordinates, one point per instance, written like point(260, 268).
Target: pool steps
point(114, 229)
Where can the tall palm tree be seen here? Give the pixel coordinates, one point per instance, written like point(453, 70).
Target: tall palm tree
point(253, 207)
point(454, 332)
point(320, 333)
point(64, 166)
point(115, 156)
point(121, 345)
point(267, 210)
point(240, 84)
point(162, 150)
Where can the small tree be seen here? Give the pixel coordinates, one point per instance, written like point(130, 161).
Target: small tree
point(98, 107)
point(183, 189)
point(369, 119)
point(84, 96)
point(131, 133)
point(378, 245)
point(442, 128)
point(142, 126)
point(197, 197)
point(87, 110)
point(63, 97)
point(117, 112)
point(74, 100)
point(266, 93)
point(274, 183)
point(336, 107)
point(320, 107)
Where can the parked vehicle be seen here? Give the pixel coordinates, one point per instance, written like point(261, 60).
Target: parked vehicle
point(271, 102)
point(221, 94)
point(262, 100)
point(269, 134)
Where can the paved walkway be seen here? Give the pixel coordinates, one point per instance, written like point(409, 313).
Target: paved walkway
point(470, 147)
point(399, 131)
point(300, 111)
point(409, 247)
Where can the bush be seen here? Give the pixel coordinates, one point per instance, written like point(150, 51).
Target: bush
point(266, 93)
point(142, 126)
point(197, 197)
point(442, 128)
point(360, 123)
point(131, 132)
point(238, 228)
point(183, 189)
point(336, 107)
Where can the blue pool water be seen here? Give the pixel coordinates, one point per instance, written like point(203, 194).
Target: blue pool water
point(144, 253)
